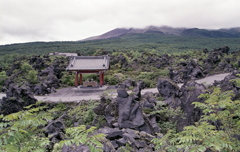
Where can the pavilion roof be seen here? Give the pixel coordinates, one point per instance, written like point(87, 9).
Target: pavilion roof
point(89, 63)
point(63, 54)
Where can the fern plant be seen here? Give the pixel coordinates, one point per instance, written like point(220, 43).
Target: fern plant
point(81, 135)
point(20, 131)
point(168, 117)
point(202, 136)
point(83, 112)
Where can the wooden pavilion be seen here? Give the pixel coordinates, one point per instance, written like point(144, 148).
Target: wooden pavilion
point(89, 64)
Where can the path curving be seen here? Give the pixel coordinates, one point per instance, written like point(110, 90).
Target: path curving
point(207, 80)
point(72, 94)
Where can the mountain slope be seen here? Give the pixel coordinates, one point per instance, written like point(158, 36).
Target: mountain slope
point(192, 32)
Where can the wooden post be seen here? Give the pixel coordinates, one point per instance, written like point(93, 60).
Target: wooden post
point(76, 79)
point(81, 79)
point(100, 78)
point(103, 78)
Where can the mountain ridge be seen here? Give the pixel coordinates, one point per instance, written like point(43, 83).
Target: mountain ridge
point(167, 30)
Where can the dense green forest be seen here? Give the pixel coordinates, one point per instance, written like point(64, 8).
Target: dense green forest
point(141, 42)
point(155, 42)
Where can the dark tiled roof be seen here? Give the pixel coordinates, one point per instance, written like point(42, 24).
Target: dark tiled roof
point(89, 63)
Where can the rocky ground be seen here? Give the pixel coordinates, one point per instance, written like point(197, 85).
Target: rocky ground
point(132, 118)
point(73, 94)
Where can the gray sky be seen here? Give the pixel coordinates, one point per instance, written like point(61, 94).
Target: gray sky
point(70, 20)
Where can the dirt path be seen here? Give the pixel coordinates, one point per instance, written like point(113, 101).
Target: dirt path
point(72, 94)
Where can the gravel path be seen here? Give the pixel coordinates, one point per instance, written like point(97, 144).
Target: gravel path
point(72, 94)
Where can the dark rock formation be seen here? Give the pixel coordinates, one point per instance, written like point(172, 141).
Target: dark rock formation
point(228, 84)
point(48, 77)
point(129, 83)
point(214, 62)
point(119, 59)
point(159, 61)
point(189, 70)
point(148, 100)
point(104, 102)
point(75, 148)
point(129, 115)
point(48, 86)
point(117, 139)
point(205, 51)
point(37, 63)
point(48, 71)
point(54, 130)
point(194, 70)
point(15, 66)
point(16, 99)
point(108, 107)
point(126, 111)
point(169, 91)
point(224, 50)
point(122, 93)
point(126, 121)
point(183, 98)
point(190, 93)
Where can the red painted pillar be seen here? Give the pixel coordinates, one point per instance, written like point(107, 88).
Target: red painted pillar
point(103, 78)
point(76, 79)
point(100, 78)
point(81, 79)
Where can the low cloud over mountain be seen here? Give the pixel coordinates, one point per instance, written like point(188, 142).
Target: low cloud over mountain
point(165, 30)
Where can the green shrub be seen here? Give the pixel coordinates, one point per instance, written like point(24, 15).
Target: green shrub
point(144, 75)
point(26, 67)
point(235, 65)
point(149, 83)
point(112, 80)
point(100, 121)
point(87, 77)
point(32, 76)
point(81, 135)
point(89, 117)
point(182, 60)
point(163, 73)
point(21, 131)
point(167, 121)
point(147, 110)
point(135, 54)
point(83, 113)
point(3, 77)
point(68, 79)
point(160, 99)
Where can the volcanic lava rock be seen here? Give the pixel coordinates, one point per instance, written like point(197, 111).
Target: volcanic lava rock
point(190, 93)
point(75, 148)
point(139, 140)
point(183, 98)
point(16, 99)
point(166, 87)
point(228, 84)
point(47, 86)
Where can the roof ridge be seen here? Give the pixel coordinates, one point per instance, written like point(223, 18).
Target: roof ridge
point(89, 63)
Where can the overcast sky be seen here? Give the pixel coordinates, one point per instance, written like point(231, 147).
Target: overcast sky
point(71, 20)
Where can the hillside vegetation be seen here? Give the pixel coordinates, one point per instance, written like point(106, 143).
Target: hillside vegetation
point(143, 42)
point(195, 117)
